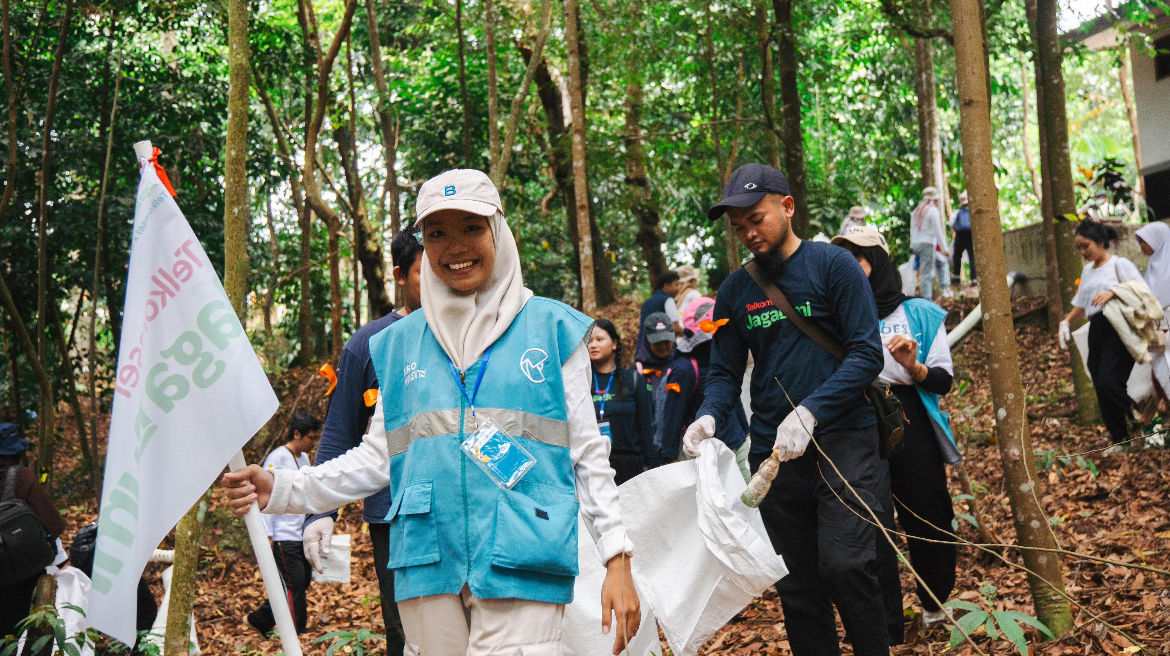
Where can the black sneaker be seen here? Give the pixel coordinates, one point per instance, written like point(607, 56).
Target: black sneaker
point(255, 623)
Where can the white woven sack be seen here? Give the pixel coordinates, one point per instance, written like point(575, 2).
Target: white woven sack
point(582, 621)
point(700, 555)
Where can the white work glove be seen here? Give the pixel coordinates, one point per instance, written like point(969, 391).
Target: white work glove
point(316, 540)
point(794, 433)
point(701, 429)
point(1064, 335)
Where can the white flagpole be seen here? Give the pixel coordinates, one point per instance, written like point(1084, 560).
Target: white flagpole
point(272, 583)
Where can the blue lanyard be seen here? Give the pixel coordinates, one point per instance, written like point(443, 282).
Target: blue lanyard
point(603, 392)
point(478, 379)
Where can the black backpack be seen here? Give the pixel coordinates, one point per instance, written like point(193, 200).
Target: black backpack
point(26, 548)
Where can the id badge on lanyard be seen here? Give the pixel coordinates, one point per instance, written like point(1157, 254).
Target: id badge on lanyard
point(497, 454)
point(603, 426)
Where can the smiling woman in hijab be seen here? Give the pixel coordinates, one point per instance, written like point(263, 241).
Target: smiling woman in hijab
point(918, 369)
point(487, 428)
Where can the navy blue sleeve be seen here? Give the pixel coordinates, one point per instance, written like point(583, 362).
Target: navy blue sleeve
point(728, 362)
point(347, 416)
point(675, 409)
point(643, 417)
point(857, 322)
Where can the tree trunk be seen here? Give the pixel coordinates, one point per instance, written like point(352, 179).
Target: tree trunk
point(499, 166)
point(236, 210)
point(580, 182)
point(13, 110)
point(188, 535)
point(1124, 73)
point(489, 28)
point(642, 203)
point(46, 424)
point(94, 404)
point(767, 81)
point(324, 66)
point(1027, 144)
point(730, 243)
point(389, 133)
point(1059, 204)
point(791, 136)
point(1007, 389)
point(367, 247)
point(929, 155)
point(464, 100)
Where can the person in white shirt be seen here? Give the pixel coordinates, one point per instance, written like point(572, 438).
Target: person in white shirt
point(1110, 363)
point(284, 531)
point(1154, 240)
point(918, 370)
point(927, 237)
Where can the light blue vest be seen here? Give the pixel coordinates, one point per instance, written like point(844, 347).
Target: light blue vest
point(450, 523)
point(925, 318)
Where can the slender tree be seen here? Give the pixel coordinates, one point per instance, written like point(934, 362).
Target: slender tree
point(489, 29)
point(580, 182)
point(642, 204)
point(1032, 527)
point(388, 123)
point(767, 80)
point(730, 242)
point(465, 103)
point(791, 134)
point(503, 158)
point(1058, 204)
point(47, 423)
point(1124, 73)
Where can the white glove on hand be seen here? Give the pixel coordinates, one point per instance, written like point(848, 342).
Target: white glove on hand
point(316, 540)
point(794, 433)
point(1064, 335)
point(701, 429)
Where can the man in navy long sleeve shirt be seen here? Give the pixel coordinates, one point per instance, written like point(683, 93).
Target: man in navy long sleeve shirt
point(346, 421)
point(814, 520)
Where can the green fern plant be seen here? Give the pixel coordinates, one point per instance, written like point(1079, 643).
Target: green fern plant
point(994, 622)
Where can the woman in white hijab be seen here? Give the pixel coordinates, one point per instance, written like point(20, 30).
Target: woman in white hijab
point(486, 429)
point(1154, 239)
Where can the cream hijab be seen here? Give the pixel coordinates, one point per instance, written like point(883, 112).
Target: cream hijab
point(1157, 235)
point(467, 323)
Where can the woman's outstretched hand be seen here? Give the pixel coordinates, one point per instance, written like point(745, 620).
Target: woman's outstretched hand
point(620, 598)
point(247, 485)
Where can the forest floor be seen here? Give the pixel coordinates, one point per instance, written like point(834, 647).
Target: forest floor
point(1111, 507)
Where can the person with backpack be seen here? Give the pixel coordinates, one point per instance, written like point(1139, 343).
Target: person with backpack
point(667, 287)
point(621, 399)
point(22, 557)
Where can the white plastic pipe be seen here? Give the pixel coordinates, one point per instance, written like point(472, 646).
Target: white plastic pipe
point(960, 332)
point(272, 583)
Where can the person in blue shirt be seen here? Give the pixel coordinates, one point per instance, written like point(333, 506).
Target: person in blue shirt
point(348, 414)
point(821, 526)
point(962, 242)
point(667, 286)
point(621, 398)
point(918, 370)
point(485, 431)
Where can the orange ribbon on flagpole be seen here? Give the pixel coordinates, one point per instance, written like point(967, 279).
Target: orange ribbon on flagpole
point(162, 173)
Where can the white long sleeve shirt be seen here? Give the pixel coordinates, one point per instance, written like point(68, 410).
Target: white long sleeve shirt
point(365, 469)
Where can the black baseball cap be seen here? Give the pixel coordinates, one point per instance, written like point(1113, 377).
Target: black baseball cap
point(747, 186)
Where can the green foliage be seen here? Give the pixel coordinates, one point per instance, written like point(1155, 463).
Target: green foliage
point(1051, 458)
point(993, 622)
point(44, 619)
point(350, 642)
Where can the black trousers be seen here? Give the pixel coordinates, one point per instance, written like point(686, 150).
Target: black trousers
point(918, 480)
point(827, 540)
point(395, 637)
point(963, 242)
point(296, 574)
point(1110, 365)
point(625, 465)
point(15, 603)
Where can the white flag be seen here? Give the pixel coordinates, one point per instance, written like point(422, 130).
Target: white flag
point(189, 393)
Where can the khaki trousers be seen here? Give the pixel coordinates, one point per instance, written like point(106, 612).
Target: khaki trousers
point(465, 625)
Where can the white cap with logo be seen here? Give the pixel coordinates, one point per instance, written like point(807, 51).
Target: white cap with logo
point(468, 190)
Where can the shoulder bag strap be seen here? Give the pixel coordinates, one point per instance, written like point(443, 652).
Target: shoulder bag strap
point(823, 339)
point(10, 482)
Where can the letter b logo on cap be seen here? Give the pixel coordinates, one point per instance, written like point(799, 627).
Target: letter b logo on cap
point(449, 190)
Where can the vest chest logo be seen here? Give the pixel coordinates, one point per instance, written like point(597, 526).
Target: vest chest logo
point(412, 373)
point(532, 364)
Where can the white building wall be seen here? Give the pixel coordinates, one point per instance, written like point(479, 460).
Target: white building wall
point(1152, 98)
